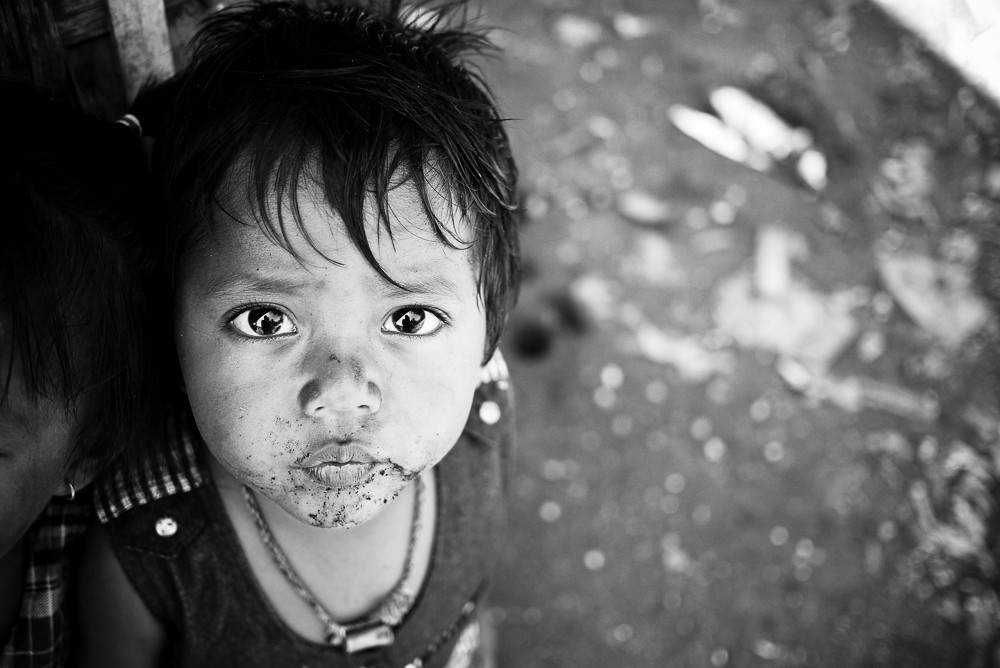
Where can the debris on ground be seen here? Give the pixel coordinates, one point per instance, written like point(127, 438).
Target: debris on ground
point(939, 295)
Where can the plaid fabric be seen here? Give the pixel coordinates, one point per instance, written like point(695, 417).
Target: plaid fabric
point(39, 638)
point(167, 472)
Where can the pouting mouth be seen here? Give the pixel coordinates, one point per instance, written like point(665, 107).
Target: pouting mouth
point(338, 454)
point(341, 476)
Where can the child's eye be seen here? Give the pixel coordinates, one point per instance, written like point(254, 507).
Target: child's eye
point(263, 321)
point(412, 320)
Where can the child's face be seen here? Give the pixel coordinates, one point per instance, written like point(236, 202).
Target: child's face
point(35, 444)
point(322, 385)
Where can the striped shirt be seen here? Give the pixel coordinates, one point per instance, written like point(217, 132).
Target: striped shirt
point(166, 472)
point(39, 638)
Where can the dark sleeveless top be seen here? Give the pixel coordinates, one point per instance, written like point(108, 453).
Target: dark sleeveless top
point(197, 581)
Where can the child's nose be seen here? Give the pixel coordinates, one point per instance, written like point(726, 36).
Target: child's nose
point(341, 386)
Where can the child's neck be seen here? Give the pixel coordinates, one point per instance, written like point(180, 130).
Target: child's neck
point(11, 588)
point(350, 571)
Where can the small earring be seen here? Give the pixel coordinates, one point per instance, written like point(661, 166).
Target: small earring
point(72, 490)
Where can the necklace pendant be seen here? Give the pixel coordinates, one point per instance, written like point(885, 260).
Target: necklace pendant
point(368, 636)
point(336, 635)
point(395, 606)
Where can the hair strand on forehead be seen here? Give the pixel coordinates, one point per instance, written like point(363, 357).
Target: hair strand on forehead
point(358, 99)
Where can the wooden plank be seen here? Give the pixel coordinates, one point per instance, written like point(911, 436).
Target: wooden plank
point(142, 40)
point(31, 49)
point(184, 17)
point(97, 77)
point(80, 20)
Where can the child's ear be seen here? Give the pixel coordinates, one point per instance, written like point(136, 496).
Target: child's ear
point(80, 473)
point(494, 369)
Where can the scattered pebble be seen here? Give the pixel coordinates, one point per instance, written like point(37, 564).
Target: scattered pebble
point(594, 560)
point(605, 397)
point(768, 650)
point(719, 657)
point(657, 392)
point(641, 207)
point(871, 346)
point(576, 31)
point(622, 633)
point(550, 511)
point(612, 376)
point(714, 449)
point(674, 558)
point(629, 26)
point(811, 168)
point(675, 483)
point(702, 514)
point(722, 212)
point(774, 451)
point(760, 409)
point(701, 428)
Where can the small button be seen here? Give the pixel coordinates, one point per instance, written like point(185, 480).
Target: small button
point(489, 412)
point(166, 527)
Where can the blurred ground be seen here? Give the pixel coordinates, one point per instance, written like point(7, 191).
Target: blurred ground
point(758, 399)
point(964, 32)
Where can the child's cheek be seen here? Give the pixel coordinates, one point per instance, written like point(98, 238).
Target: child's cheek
point(257, 450)
point(434, 420)
point(227, 421)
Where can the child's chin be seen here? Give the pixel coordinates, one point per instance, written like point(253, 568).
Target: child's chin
point(341, 514)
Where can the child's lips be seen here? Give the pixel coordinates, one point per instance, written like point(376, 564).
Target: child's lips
point(340, 464)
point(341, 476)
point(338, 454)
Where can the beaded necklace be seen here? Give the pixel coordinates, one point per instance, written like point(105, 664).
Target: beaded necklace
point(376, 630)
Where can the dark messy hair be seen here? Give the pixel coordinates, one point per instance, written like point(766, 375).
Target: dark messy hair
point(72, 268)
point(358, 98)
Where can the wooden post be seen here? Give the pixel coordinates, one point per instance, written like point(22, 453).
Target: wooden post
point(142, 40)
point(30, 48)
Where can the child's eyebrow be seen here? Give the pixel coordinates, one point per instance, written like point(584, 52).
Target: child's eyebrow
point(427, 285)
point(239, 281)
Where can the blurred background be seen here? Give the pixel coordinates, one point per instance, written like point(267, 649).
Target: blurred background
point(756, 351)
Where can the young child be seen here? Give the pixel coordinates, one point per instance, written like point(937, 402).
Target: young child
point(343, 255)
point(72, 362)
